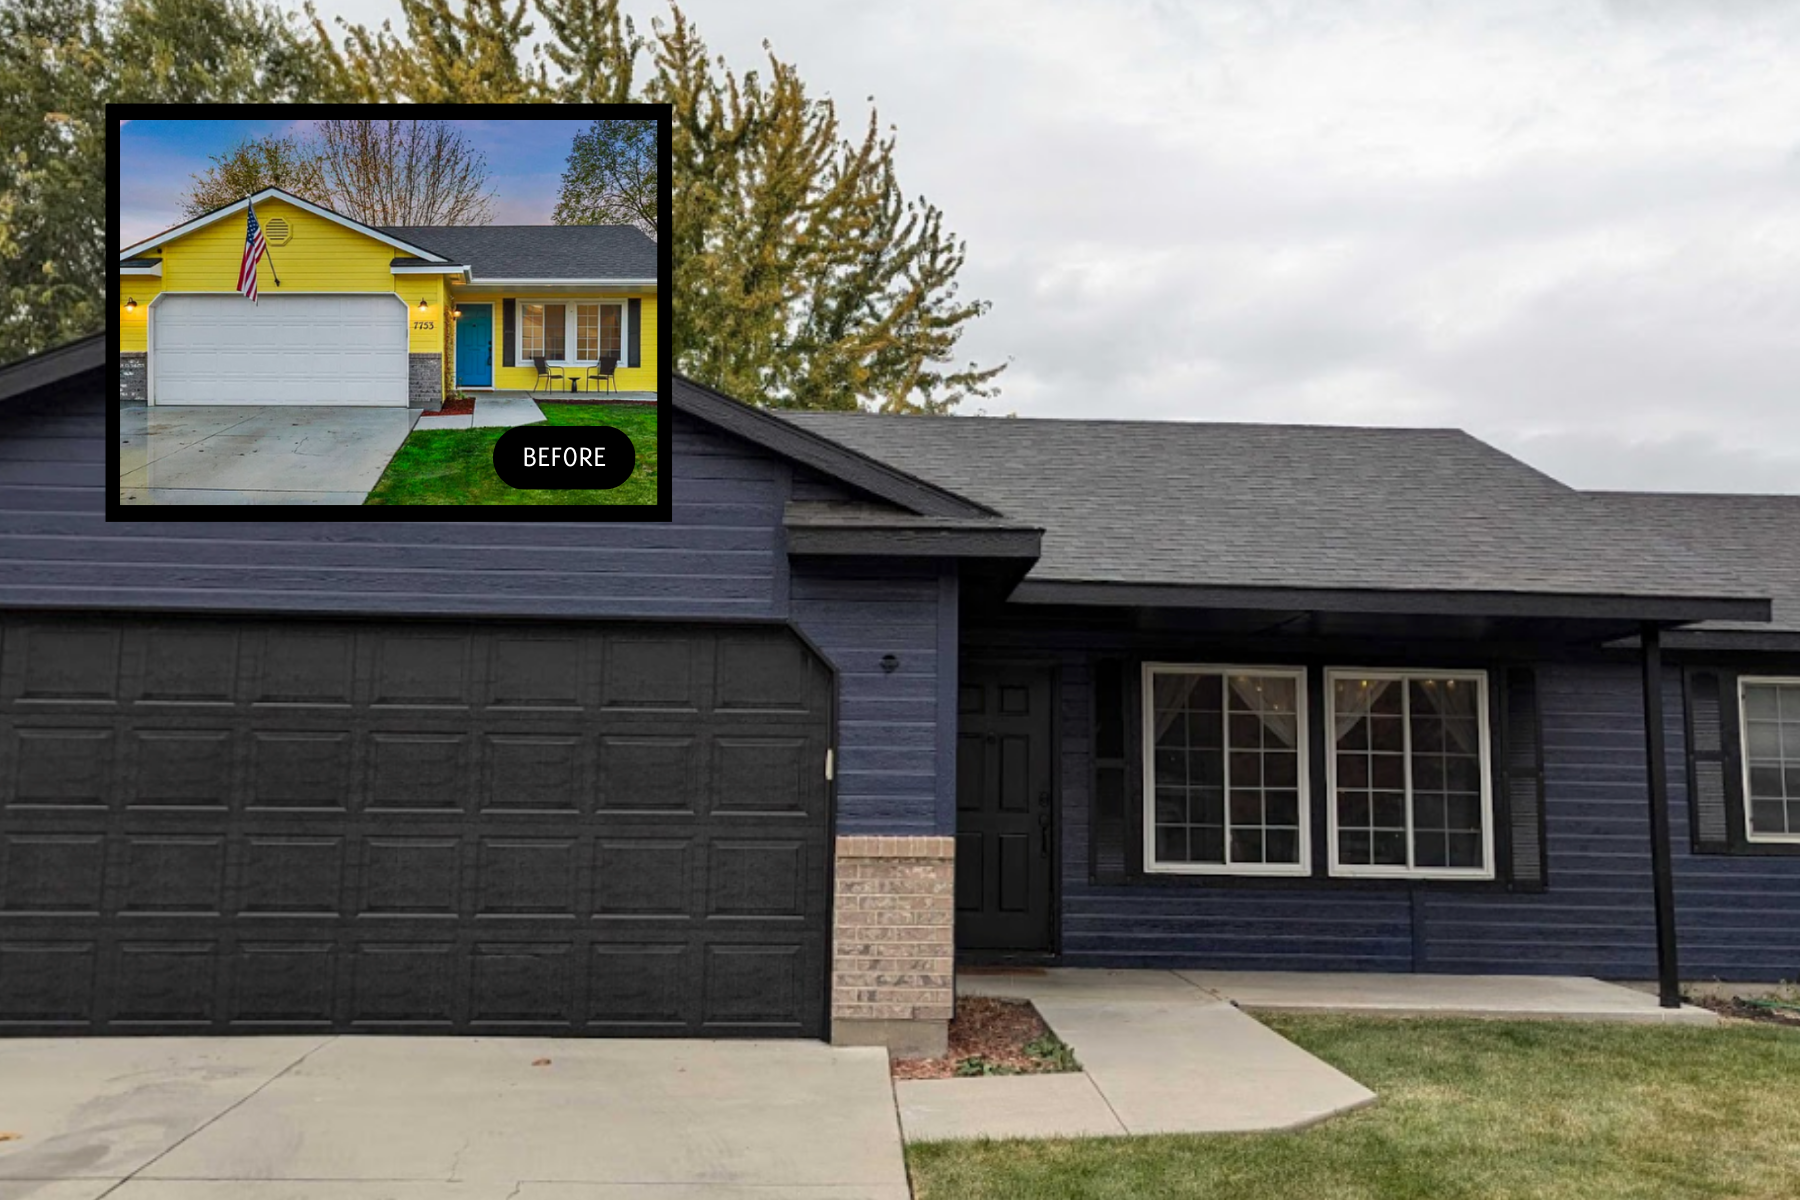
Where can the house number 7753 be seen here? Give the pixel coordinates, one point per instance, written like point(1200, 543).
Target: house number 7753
point(424, 324)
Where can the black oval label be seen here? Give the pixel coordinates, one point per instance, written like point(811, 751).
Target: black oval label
point(590, 457)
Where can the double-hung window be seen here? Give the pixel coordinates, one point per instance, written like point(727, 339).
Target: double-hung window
point(1771, 740)
point(1225, 770)
point(1409, 774)
point(591, 329)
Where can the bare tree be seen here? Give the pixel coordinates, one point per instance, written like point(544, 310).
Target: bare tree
point(404, 173)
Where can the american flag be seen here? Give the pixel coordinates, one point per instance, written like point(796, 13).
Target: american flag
point(254, 246)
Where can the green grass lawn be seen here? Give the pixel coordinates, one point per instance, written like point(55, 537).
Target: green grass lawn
point(456, 466)
point(1468, 1110)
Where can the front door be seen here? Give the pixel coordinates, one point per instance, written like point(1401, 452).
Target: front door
point(475, 346)
point(1005, 828)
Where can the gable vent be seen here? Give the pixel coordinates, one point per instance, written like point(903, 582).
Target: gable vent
point(276, 232)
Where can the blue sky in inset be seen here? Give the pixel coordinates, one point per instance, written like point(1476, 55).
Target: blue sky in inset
point(158, 160)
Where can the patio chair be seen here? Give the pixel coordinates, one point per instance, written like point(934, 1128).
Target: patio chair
point(603, 372)
point(545, 374)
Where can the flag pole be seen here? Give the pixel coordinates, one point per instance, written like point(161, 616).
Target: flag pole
point(267, 253)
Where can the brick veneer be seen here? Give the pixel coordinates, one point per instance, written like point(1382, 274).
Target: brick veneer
point(132, 376)
point(893, 968)
point(426, 387)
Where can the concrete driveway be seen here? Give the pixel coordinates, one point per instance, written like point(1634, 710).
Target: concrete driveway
point(381, 1118)
point(230, 454)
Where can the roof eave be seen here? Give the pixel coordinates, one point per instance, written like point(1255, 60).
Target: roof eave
point(484, 281)
point(833, 459)
point(806, 540)
point(1659, 610)
point(154, 269)
point(220, 213)
point(53, 366)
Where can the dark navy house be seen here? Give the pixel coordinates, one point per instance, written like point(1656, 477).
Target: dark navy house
point(889, 694)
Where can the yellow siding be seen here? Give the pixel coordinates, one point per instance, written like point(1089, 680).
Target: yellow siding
point(628, 379)
point(320, 256)
point(429, 288)
point(134, 322)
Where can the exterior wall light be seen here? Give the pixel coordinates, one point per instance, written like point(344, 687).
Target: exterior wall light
point(890, 663)
point(130, 304)
point(421, 305)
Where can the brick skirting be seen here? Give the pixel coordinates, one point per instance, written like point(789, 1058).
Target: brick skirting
point(133, 377)
point(893, 967)
point(426, 388)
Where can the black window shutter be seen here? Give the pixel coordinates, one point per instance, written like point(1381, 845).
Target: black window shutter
point(508, 313)
point(1109, 828)
point(634, 336)
point(1522, 760)
point(1715, 772)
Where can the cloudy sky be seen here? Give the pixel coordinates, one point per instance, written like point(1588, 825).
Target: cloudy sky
point(1569, 226)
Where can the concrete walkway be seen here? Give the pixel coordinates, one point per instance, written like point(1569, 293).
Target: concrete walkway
point(382, 1118)
point(491, 412)
point(1518, 997)
point(1159, 1055)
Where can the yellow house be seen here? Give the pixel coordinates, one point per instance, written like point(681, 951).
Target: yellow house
point(348, 313)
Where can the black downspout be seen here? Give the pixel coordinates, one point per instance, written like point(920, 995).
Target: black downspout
point(1668, 972)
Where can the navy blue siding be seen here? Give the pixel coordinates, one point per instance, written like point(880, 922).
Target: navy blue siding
point(1736, 915)
point(723, 558)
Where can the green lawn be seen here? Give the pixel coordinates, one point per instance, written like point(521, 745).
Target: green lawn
point(1468, 1110)
point(456, 466)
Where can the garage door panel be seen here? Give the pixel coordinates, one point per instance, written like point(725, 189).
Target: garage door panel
point(293, 349)
point(338, 826)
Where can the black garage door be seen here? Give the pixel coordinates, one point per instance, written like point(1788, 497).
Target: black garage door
point(242, 826)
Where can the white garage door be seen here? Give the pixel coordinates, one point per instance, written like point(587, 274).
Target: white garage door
point(313, 349)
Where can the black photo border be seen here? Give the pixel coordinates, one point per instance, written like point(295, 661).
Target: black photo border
point(661, 511)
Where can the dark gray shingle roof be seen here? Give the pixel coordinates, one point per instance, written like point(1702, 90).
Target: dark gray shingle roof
point(1758, 537)
point(538, 251)
point(1229, 505)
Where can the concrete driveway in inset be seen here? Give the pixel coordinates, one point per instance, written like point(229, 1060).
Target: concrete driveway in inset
point(379, 1118)
point(230, 454)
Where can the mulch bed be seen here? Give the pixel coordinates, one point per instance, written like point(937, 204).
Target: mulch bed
point(1744, 1008)
point(995, 1032)
point(461, 406)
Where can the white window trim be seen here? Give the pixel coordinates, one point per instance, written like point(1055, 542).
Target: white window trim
point(1750, 834)
point(1352, 871)
point(1303, 746)
point(569, 327)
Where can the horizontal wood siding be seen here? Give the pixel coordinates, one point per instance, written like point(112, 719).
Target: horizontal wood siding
point(888, 723)
point(1736, 915)
point(722, 558)
point(523, 375)
point(134, 323)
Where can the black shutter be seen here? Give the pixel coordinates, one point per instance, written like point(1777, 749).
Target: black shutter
point(1109, 830)
point(1522, 775)
point(1715, 771)
point(634, 337)
point(508, 312)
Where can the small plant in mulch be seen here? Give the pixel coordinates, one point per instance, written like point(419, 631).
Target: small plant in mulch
point(994, 1036)
point(456, 404)
point(1779, 1007)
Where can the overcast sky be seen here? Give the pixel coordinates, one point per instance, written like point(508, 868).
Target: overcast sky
point(1568, 226)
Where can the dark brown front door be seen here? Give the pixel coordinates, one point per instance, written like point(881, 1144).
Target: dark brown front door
point(1005, 836)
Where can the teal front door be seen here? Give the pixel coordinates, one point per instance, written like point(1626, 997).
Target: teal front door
point(475, 346)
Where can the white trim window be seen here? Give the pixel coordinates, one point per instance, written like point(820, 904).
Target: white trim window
point(1225, 787)
point(552, 328)
point(1771, 741)
point(1408, 774)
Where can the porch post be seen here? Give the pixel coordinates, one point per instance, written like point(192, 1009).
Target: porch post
point(1668, 972)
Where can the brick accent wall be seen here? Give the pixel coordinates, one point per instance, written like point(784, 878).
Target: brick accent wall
point(893, 969)
point(133, 377)
point(426, 388)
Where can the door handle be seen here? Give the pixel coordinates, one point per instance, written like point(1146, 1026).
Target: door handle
point(1044, 834)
